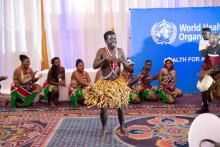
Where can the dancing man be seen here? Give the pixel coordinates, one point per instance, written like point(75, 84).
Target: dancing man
point(110, 91)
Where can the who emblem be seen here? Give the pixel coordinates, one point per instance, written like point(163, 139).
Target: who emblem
point(164, 32)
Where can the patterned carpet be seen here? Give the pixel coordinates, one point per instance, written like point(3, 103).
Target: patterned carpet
point(84, 131)
point(151, 131)
point(161, 131)
point(39, 125)
point(46, 126)
point(24, 129)
point(20, 133)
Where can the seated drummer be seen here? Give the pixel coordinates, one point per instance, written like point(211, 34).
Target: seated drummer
point(55, 78)
point(211, 67)
point(127, 74)
point(146, 90)
point(24, 90)
point(79, 81)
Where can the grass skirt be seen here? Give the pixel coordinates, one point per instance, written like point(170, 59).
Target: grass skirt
point(107, 93)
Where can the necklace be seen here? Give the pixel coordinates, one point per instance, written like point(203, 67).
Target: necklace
point(113, 65)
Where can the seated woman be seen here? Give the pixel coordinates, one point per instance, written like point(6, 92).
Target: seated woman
point(23, 89)
point(146, 90)
point(127, 74)
point(55, 78)
point(79, 80)
point(167, 79)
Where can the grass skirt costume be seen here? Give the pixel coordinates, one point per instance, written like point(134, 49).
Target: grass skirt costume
point(23, 93)
point(108, 93)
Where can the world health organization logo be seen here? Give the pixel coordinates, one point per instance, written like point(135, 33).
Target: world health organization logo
point(164, 32)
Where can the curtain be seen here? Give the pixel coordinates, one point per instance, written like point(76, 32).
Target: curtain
point(74, 29)
point(20, 33)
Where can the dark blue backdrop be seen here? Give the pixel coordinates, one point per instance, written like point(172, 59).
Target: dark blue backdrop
point(172, 32)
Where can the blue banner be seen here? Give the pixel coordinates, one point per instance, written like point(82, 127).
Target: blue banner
point(160, 33)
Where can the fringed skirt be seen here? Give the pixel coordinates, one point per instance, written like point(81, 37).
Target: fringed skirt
point(108, 93)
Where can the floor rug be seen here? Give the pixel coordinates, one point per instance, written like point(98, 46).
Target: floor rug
point(38, 124)
point(25, 129)
point(84, 131)
point(20, 133)
point(166, 130)
point(160, 131)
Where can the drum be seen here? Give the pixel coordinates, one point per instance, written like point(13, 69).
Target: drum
point(205, 83)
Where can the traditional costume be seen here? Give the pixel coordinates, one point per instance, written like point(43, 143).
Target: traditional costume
point(149, 91)
point(47, 88)
point(23, 94)
point(107, 92)
point(76, 90)
point(168, 86)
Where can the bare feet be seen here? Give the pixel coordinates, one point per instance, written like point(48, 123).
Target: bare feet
point(103, 133)
point(123, 132)
point(40, 98)
point(52, 106)
point(7, 103)
point(19, 105)
point(56, 101)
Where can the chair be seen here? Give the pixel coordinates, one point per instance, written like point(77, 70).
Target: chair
point(204, 126)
